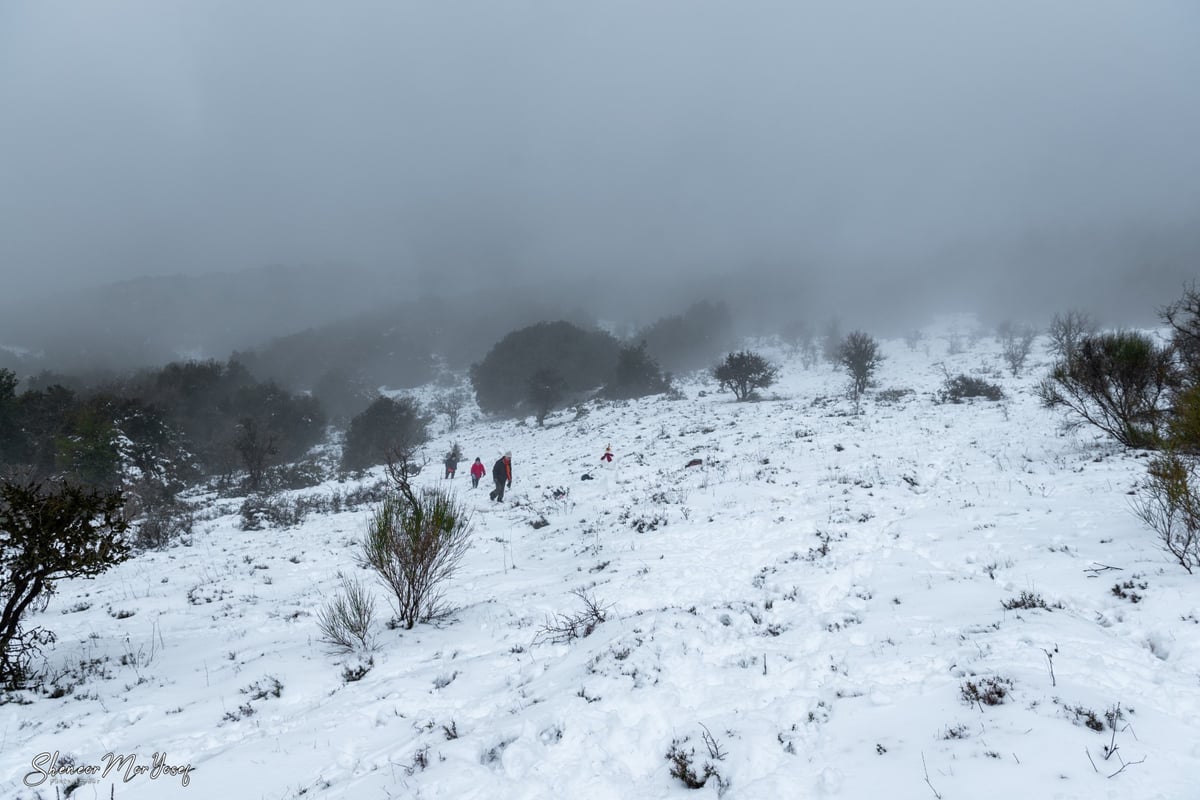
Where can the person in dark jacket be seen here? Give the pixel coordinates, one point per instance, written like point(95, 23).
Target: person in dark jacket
point(477, 471)
point(502, 475)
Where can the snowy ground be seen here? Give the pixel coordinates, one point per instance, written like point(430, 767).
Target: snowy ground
point(816, 597)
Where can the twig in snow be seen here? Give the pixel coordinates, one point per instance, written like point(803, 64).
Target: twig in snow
point(1096, 570)
point(930, 783)
point(1050, 662)
point(1124, 765)
point(1114, 717)
point(714, 747)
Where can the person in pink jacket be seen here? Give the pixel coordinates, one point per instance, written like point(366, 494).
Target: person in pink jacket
point(477, 471)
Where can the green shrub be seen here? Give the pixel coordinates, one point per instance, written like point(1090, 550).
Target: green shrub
point(48, 533)
point(415, 543)
point(1118, 382)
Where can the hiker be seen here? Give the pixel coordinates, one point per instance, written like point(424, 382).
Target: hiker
point(452, 458)
point(608, 454)
point(477, 470)
point(502, 475)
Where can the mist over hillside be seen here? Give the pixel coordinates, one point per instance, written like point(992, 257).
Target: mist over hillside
point(272, 315)
point(151, 320)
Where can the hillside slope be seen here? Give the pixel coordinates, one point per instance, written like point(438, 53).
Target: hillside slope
point(818, 596)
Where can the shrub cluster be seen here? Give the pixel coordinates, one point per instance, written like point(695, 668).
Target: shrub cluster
point(962, 387)
point(1144, 394)
point(166, 426)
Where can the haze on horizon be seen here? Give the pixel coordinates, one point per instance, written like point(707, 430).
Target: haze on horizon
point(931, 145)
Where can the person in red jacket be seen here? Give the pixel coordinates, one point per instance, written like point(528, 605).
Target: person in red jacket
point(477, 471)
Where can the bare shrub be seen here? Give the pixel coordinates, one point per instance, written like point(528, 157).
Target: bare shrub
point(415, 543)
point(954, 343)
point(451, 404)
point(799, 338)
point(564, 628)
point(159, 519)
point(1184, 318)
point(345, 621)
point(831, 340)
point(1067, 331)
point(1016, 343)
point(1169, 505)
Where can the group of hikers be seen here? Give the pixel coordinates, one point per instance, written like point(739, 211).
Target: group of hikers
point(501, 470)
point(501, 473)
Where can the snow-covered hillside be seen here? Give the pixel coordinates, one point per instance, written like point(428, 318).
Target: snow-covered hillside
point(807, 612)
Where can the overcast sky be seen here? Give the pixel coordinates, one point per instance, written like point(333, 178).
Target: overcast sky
point(547, 139)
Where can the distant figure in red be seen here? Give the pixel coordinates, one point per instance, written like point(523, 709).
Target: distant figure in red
point(608, 455)
point(477, 471)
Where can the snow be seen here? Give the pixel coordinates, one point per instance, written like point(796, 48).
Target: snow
point(815, 597)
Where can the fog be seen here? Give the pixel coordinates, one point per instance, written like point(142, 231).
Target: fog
point(810, 154)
